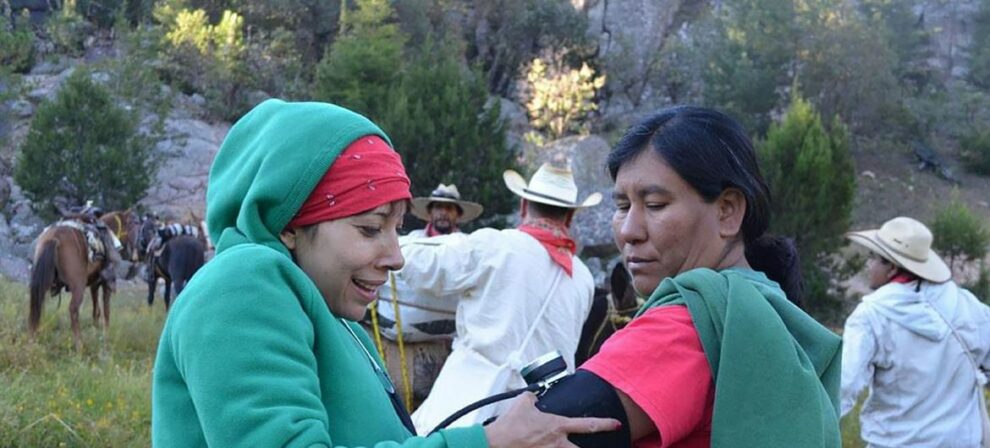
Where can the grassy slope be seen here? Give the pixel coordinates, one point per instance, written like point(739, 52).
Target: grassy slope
point(52, 396)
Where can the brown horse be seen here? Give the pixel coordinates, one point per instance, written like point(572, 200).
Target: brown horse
point(61, 260)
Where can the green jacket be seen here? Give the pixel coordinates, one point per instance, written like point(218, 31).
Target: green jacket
point(251, 355)
point(776, 370)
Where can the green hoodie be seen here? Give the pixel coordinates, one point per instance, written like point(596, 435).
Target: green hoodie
point(250, 354)
point(776, 370)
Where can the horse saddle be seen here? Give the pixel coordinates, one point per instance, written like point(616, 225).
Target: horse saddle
point(94, 242)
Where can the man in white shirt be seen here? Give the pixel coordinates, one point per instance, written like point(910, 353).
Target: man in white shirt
point(919, 343)
point(504, 279)
point(425, 317)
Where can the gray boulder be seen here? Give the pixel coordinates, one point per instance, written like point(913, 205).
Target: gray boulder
point(179, 189)
point(21, 109)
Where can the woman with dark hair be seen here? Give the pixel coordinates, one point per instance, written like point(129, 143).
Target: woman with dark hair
point(718, 355)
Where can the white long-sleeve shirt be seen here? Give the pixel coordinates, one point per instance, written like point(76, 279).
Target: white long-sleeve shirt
point(502, 278)
point(922, 387)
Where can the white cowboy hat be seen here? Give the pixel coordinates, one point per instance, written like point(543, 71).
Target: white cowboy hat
point(908, 244)
point(550, 185)
point(446, 193)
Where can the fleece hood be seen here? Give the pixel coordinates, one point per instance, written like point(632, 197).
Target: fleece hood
point(268, 164)
point(912, 309)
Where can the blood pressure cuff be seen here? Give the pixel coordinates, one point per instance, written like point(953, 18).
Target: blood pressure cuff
point(584, 394)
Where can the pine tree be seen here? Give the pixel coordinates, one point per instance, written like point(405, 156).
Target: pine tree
point(812, 181)
point(81, 146)
point(364, 62)
point(751, 48)
point(438, 120)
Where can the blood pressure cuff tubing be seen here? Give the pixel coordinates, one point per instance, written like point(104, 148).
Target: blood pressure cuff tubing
point(584, 394)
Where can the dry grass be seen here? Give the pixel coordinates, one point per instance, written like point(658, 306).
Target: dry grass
point(54, 397)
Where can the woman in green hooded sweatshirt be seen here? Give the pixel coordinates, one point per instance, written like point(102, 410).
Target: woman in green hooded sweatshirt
point(261, 349)
point(719, 355)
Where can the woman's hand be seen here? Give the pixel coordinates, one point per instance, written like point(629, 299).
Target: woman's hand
point(523, 425)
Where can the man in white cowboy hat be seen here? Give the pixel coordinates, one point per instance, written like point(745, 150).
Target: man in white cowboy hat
point(523, 293)
point(919, 343)
point(425, 317)
point(443, 210)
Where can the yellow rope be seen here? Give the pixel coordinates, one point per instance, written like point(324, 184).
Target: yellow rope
point(377, 331)
point(406, 386)
point(120, 227)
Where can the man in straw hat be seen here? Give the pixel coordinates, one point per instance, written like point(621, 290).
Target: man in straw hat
point(443, 211)
point(919, 342)
point(504, 279)
point(425, 317)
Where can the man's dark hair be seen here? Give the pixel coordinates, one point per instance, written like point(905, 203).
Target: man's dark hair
point(548, 211)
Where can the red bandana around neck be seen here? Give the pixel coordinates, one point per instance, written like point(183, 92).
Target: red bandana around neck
point(367, 174)
point(903, 277)
point(432, 232)
point(555, 239)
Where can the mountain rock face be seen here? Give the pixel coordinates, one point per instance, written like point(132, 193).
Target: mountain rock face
point(950, 24)
point(179, 190)
point(629, 34)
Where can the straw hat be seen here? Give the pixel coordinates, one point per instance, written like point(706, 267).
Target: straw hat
point(907, 243)
point(550, 185)
point(446, 193)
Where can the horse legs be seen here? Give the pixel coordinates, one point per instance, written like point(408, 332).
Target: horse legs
point(93, 290)
point(74, 305)
point(106, 307)
point(180, 284)
point(168, 294)
point(152, 283)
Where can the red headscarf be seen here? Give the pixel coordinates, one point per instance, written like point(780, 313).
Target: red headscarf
point(367, 174)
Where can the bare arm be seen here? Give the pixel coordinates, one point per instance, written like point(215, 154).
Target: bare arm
point(640, 424)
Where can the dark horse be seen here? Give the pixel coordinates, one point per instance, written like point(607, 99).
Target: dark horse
point(180, 258)
point(61, 260)
point(610, 311)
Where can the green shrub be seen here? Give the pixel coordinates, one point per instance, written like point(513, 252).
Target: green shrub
point(81, 146)
point(209, 59)
point(981, 286)
point(812, 181)
point(976, 151)
point(960, 234)
point(16, 45)
point(67, 30)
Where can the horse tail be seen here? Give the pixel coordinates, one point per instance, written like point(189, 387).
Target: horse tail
point(42, 277)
